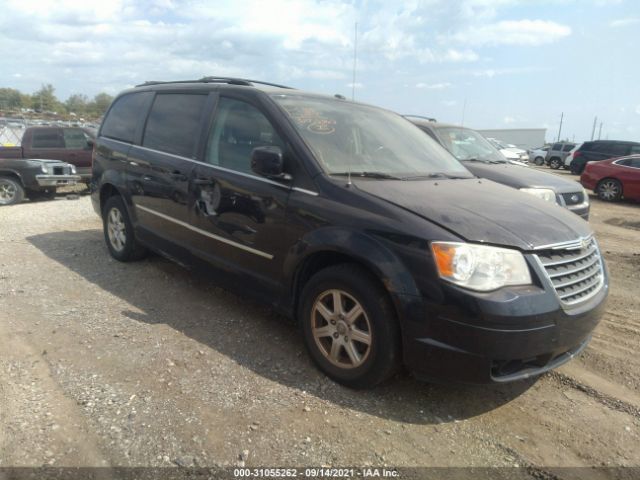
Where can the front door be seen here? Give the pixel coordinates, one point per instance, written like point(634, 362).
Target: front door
point(240, 216)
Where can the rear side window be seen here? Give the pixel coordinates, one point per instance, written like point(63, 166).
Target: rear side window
point(635, 163)
point(635, 149)
point(75, 139)
point(556, 146)
point(47, 138)
point(122, 119)
point(625, 162)
point(617, 149)
point(600, 147)
point(173, 125)
point(568, 147)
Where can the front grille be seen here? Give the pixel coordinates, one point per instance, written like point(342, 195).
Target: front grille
point(575, 271)
point(61, 170)
point(573, 198)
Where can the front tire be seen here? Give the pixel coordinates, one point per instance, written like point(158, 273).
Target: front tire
point(609, 190)
point(539, 161)
point(11, 192)
point(350, 327)
point(555, 163)
point(119, 233)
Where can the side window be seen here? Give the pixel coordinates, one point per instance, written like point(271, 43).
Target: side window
point(47, 138)
point(238, 128)
point(556, 146)
point(74, 139)
point(635, 162)
point(635, 150)
point(122, 119)
point(617, 149)
point(568, 147)
point(601, 147)
point(173, 125)
point(626, 162)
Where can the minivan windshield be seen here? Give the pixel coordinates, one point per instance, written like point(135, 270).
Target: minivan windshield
point(467, 144)
point(356, 139)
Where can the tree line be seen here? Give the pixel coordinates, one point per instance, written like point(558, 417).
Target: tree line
point(45, 101)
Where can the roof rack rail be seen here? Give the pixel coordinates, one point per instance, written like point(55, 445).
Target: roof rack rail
point(228, 80)
point(430, 119)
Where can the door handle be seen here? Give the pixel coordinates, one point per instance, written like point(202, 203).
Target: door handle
point(179, 176)
point(203, 181)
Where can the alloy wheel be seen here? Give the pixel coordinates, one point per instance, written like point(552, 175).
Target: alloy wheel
point(609, 190)
point(116, 230)
point(341, 329)
point(7, 192)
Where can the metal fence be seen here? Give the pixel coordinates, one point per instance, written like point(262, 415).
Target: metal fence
point(10, 136)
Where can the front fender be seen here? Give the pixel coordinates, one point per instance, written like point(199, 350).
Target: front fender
point(363, 248)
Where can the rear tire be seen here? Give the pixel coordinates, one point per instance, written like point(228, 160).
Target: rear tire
point(11, 192)
point(539, 161)
point(555, 163)
point(350, 327)
point(609, 190)
point(119, 233)
point(575, 168)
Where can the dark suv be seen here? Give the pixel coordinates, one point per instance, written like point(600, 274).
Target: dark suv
point(601, 150)
point(350, 219)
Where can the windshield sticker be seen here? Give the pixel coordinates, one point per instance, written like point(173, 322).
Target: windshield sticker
point(312, 120)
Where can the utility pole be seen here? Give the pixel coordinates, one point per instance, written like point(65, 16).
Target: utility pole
point(560, 127)
point(355, 60)
point(593, 130)
point(600, 131)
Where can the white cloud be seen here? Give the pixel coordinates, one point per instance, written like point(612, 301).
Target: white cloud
point(512, 32)
point(623, 22)
point(638, 109)
point(508, 120)
point(433, 86)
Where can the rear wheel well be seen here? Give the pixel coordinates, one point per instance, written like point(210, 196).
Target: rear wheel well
point(106, 192)
point(321, 260)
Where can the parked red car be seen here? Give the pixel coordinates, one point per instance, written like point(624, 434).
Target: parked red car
point(614, 178)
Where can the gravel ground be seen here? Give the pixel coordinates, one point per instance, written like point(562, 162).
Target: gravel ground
point(147, 364)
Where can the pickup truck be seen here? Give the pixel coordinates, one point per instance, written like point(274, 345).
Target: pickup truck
point(68, 144)
point(33, 178)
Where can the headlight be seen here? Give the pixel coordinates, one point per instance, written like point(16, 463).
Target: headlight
point(480, 267)
point(545, 194)
point(73, 169)
point(44, 169)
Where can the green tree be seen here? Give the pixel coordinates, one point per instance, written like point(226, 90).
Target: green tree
point(10, 99)
point(77, 103)
point(102, 102)
point(45, 99)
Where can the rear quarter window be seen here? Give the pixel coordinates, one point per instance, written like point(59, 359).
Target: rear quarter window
point(556, 146)
point(124, 115)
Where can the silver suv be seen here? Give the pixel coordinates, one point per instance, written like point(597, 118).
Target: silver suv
point(557, 153)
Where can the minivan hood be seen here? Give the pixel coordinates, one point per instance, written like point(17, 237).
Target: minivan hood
point(519, 177)
point(481, 211)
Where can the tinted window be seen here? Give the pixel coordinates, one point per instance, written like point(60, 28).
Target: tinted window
point(556, 146)
point(600, 147)
point(568, 147)
point(173, 125)
point(635, 149)
point(635, 163)
point(122, 118)
point(626, 162)
point(47, 138)
point(618, 149)
point(238, 129)
point(75, 139)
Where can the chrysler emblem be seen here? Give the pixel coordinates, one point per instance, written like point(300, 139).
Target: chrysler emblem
point(574, 198)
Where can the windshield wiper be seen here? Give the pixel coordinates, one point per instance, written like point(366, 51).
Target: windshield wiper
point(435, 175)
point(483, 160)
point(379, 175)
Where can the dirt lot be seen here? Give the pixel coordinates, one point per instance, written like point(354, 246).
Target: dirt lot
point(145, 364)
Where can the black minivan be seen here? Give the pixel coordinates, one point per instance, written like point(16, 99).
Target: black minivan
point(347, 217)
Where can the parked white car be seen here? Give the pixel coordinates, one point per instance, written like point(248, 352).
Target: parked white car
point(537, 155)
point(569, 158)
point(511, 152)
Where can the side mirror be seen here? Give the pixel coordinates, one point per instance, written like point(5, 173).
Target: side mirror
point(268, 162)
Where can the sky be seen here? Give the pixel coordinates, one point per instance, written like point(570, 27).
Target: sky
point(484, 63)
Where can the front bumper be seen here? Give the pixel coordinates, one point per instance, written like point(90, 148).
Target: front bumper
point(57, 180)
point(502, 336)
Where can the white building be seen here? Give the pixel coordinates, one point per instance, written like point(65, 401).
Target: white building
point(520, 137)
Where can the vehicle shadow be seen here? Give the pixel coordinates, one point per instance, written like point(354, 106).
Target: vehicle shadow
point(255, 336)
